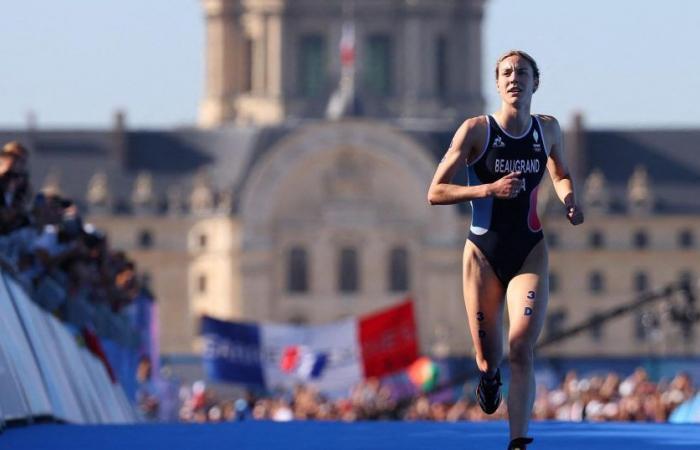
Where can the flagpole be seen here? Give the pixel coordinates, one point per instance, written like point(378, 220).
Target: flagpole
point(342, 100)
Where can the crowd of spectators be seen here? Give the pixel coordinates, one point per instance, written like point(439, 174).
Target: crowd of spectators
point(593, 398)
point(48, 248)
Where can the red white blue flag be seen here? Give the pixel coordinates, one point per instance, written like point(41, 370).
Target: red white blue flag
point(331, 357)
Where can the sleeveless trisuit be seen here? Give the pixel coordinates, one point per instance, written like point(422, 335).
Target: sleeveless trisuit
point(506, 230)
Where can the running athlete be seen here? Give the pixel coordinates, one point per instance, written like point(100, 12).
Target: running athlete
point(505, 257)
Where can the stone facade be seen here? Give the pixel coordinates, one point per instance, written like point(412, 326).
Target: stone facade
point(271, 213)
point(255, 55)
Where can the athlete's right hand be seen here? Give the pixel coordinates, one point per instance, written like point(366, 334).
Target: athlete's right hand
point(507, 187)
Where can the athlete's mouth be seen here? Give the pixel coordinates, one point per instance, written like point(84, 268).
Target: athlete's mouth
point(515, 89)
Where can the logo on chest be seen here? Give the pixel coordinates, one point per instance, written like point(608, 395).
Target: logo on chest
point(536, 146)
point(498, 142)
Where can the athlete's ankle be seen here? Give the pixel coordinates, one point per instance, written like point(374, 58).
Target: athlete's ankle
point(490, 376)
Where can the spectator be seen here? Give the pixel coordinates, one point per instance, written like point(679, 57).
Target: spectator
point(595, 398)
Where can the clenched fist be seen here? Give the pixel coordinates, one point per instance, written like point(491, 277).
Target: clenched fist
point(507, 187)
point(573, 211)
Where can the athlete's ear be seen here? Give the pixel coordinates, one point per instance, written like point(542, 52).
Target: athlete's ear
point(537, 84)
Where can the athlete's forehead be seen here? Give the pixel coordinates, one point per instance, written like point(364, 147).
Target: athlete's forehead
point(515, 62)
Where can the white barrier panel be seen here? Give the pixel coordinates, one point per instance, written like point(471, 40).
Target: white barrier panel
point(84, 388)
point(21, 357)
point(66, 405)
point(12, 403)
point(100, 377)
point(44, 372)
point(103, 408)
point(126, 406)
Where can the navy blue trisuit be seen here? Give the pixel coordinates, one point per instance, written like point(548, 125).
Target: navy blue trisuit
point(507, 229)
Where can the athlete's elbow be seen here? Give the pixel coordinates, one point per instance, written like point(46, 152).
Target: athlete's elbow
point(434, 197)
point(431, 199)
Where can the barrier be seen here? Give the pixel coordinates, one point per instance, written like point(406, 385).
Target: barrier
point(43, 370)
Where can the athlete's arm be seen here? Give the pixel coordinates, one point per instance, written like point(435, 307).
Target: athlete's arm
point(467, 142)
point(559, 171)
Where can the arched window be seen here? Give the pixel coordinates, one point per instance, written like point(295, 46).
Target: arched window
point(640, 282)
point(686, 239)
point(297, 270)
point(640, 239)
point(202, 241)
point(348, 271)
point(145, 239)
point(202, 284)
point(596, 283)
point(398, 270)
point(596, 239)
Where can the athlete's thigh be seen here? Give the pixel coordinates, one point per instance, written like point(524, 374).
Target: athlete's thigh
point(483, 298)
point(527, 296)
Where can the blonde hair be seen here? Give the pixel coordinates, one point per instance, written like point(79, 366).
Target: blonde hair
point(522, 54)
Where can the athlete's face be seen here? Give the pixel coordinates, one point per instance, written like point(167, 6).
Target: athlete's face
point(516, 80)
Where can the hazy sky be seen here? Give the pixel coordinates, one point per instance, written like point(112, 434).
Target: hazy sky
point(623, 63)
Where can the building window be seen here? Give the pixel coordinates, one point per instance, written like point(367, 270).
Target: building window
point(686, 239)
point(312, 65)
point(202, 241)
point(640, 239)
point(441, 86)
point(297, 271)
point(596, 283)
point(596, 329)
point(686, 277)
point(348, 271)
point(398, 270)
point(640, 282)
point(146, 279)
point(596, 239)
point(378, 64)
point(248, 65)
point(553, 282)
point(555, 322)
point(145, 239)
point(202, 284)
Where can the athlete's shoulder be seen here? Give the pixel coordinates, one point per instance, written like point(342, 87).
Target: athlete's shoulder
point(475, 125)
point(549, 122)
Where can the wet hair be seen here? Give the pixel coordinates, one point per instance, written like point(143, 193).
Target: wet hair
point(522, 54)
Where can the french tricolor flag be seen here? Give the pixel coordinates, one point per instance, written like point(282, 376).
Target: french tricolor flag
point(332, 357)
point(347, 45)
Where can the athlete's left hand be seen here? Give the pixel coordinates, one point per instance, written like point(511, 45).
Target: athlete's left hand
point(574, 214)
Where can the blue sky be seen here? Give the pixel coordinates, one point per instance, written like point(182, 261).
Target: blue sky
point(623, 63)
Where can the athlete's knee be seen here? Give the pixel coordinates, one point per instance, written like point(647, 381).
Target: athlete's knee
point(521, 352)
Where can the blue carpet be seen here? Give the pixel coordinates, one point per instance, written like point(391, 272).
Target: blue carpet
point(355, 436)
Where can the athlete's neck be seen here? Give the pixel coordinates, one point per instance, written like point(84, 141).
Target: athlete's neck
point(512, 120)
